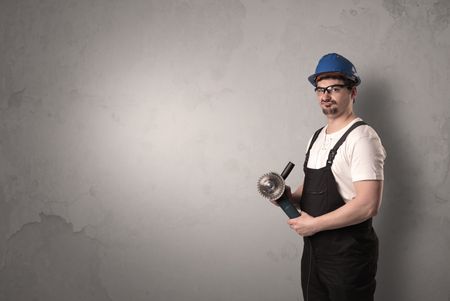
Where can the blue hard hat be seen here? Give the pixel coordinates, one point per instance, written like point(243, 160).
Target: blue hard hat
point(335, 63)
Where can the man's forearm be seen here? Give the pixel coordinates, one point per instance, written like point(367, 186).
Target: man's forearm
point(362, 207)
point(353, 212)
point(296, 196)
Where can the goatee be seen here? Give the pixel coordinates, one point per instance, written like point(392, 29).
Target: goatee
point(330, 111)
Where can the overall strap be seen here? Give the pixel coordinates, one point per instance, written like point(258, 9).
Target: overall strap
point(314, 138)
point(334, 150)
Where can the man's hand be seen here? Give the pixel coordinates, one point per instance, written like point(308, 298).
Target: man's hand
point(304, 225)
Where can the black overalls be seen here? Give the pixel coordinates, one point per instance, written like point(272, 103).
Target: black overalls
point(336, 264)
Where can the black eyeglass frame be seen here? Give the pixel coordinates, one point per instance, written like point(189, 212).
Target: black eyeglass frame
point(329, 88)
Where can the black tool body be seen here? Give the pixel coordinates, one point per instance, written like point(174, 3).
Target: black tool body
point(283, 201)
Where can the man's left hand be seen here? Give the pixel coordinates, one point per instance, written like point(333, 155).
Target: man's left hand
point(304, 225)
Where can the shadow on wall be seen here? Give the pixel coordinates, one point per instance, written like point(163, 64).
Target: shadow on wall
point(393, 224)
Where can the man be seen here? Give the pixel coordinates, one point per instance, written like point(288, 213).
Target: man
point(340, 194)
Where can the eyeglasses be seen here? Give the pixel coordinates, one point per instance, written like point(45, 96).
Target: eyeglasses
point(333, 89)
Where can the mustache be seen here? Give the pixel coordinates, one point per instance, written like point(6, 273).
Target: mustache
point(328, 101)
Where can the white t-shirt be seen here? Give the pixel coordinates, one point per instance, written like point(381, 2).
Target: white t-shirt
point(360, 157)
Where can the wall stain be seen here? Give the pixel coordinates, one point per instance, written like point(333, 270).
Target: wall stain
point(439, 15)
point(16, 99)
point(396, 8)
point(46, 260)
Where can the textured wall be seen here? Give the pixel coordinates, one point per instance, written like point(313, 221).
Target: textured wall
point(132, 134)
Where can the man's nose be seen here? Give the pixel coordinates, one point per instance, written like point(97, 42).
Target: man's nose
point(326, 95)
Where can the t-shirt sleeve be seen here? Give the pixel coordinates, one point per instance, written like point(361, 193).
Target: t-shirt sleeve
point(367, 159)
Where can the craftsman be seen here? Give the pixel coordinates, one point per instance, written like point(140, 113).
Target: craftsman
point(340, 193)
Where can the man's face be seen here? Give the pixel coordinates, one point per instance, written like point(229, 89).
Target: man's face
point(336, 100)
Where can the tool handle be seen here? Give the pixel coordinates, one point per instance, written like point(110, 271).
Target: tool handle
point(287, 207)
point(287, 170)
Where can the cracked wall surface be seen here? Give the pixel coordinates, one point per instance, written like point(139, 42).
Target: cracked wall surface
point(132, 134)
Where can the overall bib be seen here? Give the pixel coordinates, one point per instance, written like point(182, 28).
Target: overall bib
point(338, 264)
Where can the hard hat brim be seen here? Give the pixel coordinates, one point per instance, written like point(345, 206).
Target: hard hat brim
point(312, 78)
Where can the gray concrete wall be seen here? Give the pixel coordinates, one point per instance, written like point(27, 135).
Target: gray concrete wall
point(132, 134)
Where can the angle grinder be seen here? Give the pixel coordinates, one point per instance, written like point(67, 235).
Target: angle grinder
point(272, 186)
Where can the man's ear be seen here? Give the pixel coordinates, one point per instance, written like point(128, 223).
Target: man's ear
point(353, 94)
